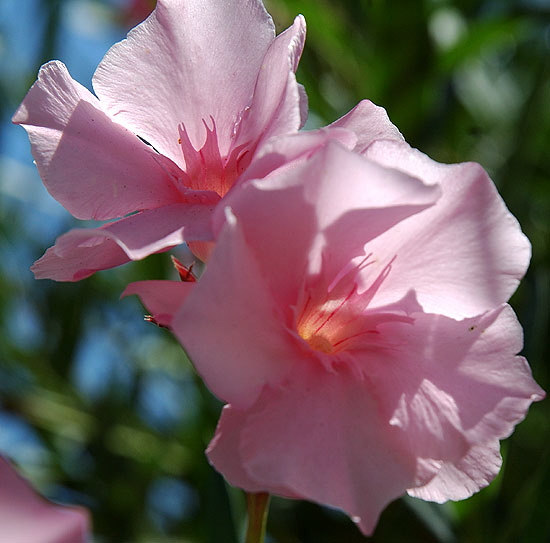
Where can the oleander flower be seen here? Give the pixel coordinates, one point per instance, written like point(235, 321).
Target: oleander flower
point(26, 517)
point(182, 106)
point(353, 317)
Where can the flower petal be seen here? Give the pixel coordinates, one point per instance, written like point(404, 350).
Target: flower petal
point(452, 385)
point(94, 167)
point(78, 254)
point(284, 210)
point(224, 450)
point(161, 298)
point(241, 347)
point(463, 256)
point(26, 517)
point(428, 408)
point(319, 437)
point(459, 480)
point(370, 123)
point(284, 152)
point(82, 251)
point(276, 106)
point(333, 197)
point(189, 61)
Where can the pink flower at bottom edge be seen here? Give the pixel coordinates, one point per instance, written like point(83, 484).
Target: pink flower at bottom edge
point(25, 517)
point(357, 361)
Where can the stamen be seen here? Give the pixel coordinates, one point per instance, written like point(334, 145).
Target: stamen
point(205, 168)
point(332, 317)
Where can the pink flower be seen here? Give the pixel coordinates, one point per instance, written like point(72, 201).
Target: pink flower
point(353, 317)
point(205, 83)
point(26, 517)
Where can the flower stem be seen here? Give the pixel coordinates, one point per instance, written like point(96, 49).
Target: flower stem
point(257, 505)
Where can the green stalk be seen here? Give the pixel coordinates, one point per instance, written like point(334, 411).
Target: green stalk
point(257, 505)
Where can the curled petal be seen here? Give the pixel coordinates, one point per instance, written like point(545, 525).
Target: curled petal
point(276, 106)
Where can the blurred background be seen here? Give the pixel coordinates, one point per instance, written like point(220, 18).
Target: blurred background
point(99, 408)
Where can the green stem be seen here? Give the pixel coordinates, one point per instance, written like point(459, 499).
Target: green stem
point(257, 505)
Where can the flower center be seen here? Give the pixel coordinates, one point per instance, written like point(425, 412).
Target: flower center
point(205, 168)
point(317, 339)
point(323, 325)
point(332, 316)
point(318, 342)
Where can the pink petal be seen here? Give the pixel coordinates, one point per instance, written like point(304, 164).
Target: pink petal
point(94, 167)
point(284, 201)
point(451, 385)
point(373, 200)
point(26, 517)
point(319, 437)
point(78, 254)
point(459, 480)
point(464, 255)
point(81, 252)
point(189, 61)
point(285, 152)
point(309, 196)
point(433, 402)
point(244, 328)
point(356, 130)
point(275, 108)
point(161, 298)
point(225, 450)
point(370, 123)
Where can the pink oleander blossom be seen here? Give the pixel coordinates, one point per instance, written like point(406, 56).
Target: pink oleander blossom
point(179, 110)
point(25, 517)
point(353, 317)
